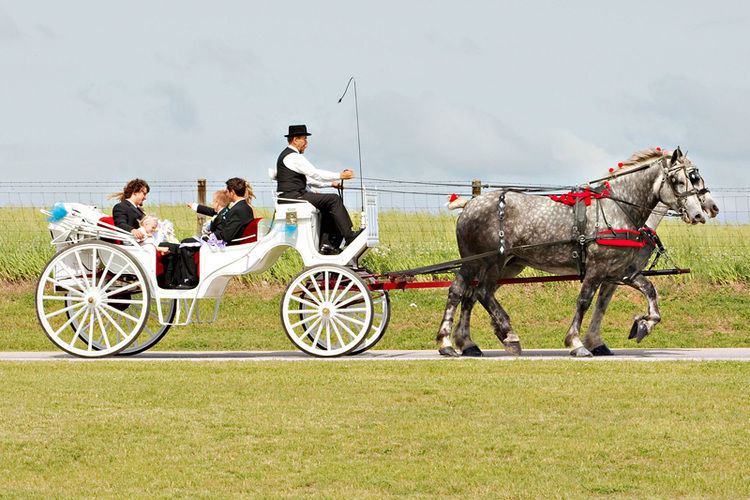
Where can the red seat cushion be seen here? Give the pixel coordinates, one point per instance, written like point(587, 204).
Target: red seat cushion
point(111, 222)
point(250, 232)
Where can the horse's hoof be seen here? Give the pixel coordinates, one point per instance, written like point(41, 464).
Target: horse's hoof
point(638, 331)
point(448, 351)
point(513, 348)
point(633, 331)
point(601, 350)
point(473, 352)
point(642, 332)
point(581, 352)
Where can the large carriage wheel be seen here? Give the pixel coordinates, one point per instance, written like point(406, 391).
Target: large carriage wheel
point(381, 315)
point(85, 292)
point(327, 310)
point(153, 330)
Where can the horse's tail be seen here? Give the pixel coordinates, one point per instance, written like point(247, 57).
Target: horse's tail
point(456, 202)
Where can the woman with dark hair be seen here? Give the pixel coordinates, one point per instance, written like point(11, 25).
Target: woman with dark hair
point(129, 211)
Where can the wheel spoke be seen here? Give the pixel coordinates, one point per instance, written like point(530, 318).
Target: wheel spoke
point(343, 293)
point(82, 268)
point(64, 310)
point(314, 280)
point(335, 288)
point(121, 313)
point(114, 323)
point(306, 320)
point(74, 277)
point(104, 331)
point(91, 332)
point(303, 301)
point(80, 327)
point(350, 300)
point(121, 290)
point(106, 270)
point(356, 321)
point(325, 281)
point(61, 297)
point(345, 327)
point(93, 266)
point(338, 333)
point(66, 287)
point(70, 320)
point(125, 301)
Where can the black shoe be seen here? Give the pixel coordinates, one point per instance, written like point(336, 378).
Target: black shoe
point(327, 249)
point(353, 236)
point(186, 285)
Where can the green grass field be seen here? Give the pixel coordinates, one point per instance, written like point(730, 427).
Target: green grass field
point(451, 428)
point(695, 314)
point(715, 252)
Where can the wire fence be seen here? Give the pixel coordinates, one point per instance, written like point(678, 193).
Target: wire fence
point(416, 228)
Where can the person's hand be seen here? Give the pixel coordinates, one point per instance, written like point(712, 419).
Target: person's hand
point(139, 235)
point(189, 205)
point(347, 174)
point(162, 250)
point(337, 185)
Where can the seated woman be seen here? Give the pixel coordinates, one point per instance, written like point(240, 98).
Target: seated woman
point(129, 211)
point(227, 226)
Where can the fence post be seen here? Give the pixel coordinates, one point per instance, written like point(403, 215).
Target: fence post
point(201, 200)
point(476, 188)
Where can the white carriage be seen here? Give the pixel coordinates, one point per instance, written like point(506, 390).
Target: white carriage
point(99, 295)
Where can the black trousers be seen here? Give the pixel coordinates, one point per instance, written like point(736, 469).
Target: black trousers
point(335, 223)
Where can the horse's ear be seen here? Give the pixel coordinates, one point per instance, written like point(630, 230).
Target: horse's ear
point(677, 153)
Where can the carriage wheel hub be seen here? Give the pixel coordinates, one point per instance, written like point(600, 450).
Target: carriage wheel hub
point(327, 310)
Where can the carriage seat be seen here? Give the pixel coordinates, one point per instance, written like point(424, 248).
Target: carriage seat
point(249, 234)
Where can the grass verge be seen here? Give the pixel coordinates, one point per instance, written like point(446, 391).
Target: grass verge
point(695, 314)
point(523, 429)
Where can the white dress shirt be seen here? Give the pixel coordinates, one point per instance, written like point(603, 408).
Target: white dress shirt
point(316, 177)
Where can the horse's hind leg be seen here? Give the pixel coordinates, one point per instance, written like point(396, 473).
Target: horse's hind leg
point(462, 335)
point(642, 325)
point(573, 337)
point(456, 292)
point(593, 340)
point(500, 320)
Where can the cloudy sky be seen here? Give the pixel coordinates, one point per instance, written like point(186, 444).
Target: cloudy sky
point(535, 92)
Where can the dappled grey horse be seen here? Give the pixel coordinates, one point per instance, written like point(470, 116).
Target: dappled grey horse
point(592, 340)
point(509, 230)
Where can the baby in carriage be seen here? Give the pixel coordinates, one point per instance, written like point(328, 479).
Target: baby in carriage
point(158, 233)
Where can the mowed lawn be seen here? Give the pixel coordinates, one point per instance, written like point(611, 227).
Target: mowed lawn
point(447, 428)
point(694, 314)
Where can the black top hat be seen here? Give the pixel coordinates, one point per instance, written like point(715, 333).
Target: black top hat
point(297, 130)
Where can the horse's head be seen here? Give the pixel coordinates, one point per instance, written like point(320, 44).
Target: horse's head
point(677, 190)
point(704, 195)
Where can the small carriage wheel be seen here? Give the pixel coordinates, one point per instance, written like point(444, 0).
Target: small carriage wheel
point(327, 310)
point(92, 284)
point(381, 316)
point(153, 330)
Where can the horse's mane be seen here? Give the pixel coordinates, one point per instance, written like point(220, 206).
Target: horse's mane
point(642, 157)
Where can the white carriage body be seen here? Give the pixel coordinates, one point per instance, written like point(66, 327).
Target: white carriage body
point(295, 224)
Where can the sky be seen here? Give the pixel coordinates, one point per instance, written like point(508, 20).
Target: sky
point(531, 92)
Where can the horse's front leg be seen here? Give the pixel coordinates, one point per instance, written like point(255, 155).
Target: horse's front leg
point(573, 337)
point(593, 340)
point(642, 325)
point(456, 292)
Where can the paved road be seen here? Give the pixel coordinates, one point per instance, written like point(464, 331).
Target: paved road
point(739, 354)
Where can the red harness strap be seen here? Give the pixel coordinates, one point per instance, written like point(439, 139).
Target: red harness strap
point(572, 198)
point(626, 237)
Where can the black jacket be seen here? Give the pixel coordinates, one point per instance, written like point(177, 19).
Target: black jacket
point(232, 222)
point(218, 221)
point(127, 215)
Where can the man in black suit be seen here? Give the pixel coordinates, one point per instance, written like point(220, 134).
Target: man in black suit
point(128, 212)
point(230, 227)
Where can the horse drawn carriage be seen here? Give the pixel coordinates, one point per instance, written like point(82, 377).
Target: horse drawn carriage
point(100, 295)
